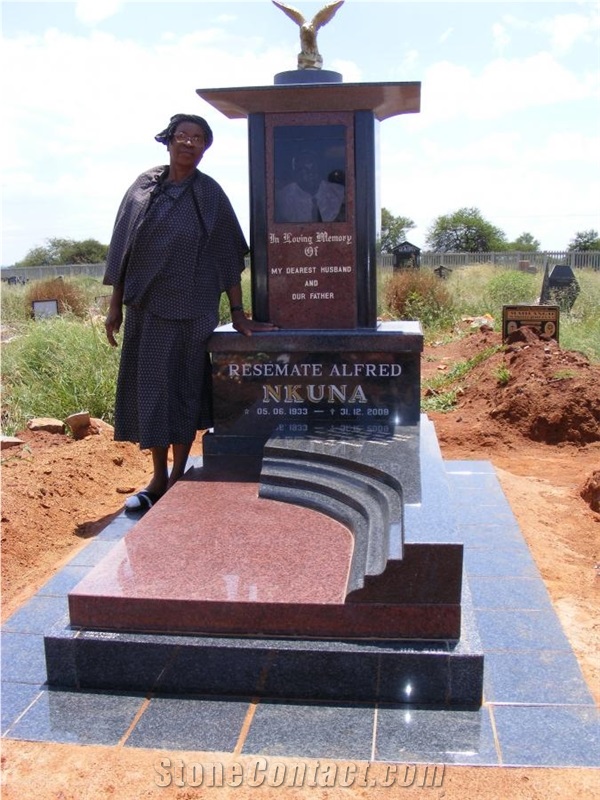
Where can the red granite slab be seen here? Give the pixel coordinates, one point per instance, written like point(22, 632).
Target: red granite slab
point(213, 557)
point(216, 543)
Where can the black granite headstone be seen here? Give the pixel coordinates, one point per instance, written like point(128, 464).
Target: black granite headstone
point(560, 287)
point(314, 273)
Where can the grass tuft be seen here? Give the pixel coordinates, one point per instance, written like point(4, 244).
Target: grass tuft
point(502, 374)
point(441, 393)
point(55, 367)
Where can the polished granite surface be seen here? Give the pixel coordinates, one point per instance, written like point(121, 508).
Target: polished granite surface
point(160, 557)
point(537, 709)
point(216, 557)
point(223, 557)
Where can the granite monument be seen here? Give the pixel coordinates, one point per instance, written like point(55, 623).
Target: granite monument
point(314, 552)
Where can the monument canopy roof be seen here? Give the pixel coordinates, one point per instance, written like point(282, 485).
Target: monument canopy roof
point(384, 99)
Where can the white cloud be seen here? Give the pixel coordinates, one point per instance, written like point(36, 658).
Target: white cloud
point(405, 68)
point(99, 91)
point(92, 11)
point(566, 30)
point(500, 37)
point(543, 184)
point(568, 147)
point(81, 113)
point(349, 70)
point(503, 86)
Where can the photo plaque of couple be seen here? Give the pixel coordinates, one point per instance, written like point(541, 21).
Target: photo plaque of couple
point(309, 174)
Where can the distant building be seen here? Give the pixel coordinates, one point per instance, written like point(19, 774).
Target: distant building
point(407, 256)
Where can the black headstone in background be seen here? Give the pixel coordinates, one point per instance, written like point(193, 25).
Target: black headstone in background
point(560, 287)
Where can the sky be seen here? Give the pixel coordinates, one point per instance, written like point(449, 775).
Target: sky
point(509, 121)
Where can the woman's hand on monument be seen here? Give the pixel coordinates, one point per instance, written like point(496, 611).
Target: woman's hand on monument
point(247, 326)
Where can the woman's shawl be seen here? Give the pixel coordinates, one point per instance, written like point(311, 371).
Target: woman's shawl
point(224, 243)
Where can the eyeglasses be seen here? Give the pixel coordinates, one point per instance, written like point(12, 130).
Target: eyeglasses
point(184, 138)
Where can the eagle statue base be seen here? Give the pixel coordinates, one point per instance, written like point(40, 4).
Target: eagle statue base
point(307, 76)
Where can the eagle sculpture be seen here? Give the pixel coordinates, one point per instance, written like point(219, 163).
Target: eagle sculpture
point(309, 57)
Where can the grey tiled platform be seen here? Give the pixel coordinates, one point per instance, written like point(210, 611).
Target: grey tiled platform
point(537, 709)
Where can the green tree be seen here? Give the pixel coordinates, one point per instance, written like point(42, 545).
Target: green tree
point(525, 243)
point(393, 230)
point(585, 240)
point(65, 251)
point(465, 231)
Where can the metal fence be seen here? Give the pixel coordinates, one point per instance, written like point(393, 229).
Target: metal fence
point(23, 274)
point(512, 259)
point(589, 259)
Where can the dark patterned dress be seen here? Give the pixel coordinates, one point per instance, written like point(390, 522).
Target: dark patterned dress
point(175, 248)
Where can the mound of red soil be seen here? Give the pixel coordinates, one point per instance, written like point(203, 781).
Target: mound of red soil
point(552, 395)
point(530, 388)
point(591, 491)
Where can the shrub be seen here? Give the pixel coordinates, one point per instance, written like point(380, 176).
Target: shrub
point(509, 287)
point(16, 300)
point(415, 295)
point(70, 296)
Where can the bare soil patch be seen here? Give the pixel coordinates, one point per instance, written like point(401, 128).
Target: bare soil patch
point(531, 409)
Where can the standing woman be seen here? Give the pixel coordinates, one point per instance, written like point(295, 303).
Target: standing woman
point(176, 247)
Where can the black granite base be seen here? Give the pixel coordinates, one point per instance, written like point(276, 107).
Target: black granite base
point(441, 674)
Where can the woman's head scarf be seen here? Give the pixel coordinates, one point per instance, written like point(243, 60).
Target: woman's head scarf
point(164, 137)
